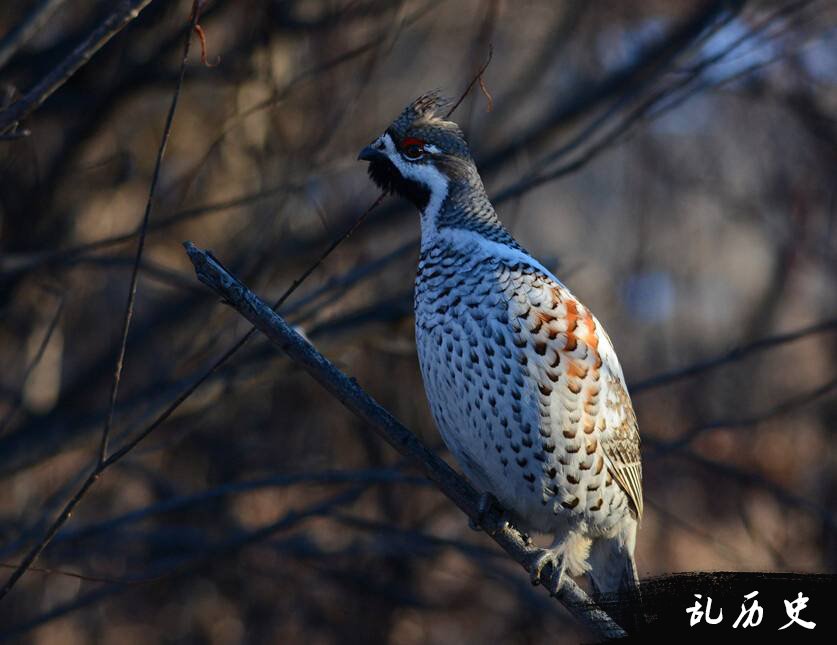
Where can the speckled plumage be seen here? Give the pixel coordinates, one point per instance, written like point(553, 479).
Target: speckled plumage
point(522, 380)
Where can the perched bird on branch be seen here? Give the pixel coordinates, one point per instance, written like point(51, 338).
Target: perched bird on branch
point(522, 380)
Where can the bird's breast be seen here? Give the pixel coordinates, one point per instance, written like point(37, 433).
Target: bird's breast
point(515, 385)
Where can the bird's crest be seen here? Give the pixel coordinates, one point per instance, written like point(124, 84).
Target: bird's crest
point(424, 110)
point(421, 119)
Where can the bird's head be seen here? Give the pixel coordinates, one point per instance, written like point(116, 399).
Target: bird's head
point(420, 154)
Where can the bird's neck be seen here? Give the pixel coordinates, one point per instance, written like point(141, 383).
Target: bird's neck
point(461, 204)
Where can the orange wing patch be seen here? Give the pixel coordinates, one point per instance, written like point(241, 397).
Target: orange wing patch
point(580, 362)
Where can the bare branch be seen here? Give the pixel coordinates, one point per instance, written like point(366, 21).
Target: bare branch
point(39, 354)
point(782, 408)
point(124, 13)
point(29, 26)
point(193, 562)
point(630, 79)
point(735, 354)
point(477, 77)
point(102, 463)
point(351, 395)
point(755, 480)
point(143, 228)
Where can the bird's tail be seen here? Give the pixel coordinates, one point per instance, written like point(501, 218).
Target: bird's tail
point(614, 578)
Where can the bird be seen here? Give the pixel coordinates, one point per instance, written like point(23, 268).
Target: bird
point(522, 380)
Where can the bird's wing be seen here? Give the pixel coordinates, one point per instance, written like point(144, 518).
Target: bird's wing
point(577, 370)
point(621, 443)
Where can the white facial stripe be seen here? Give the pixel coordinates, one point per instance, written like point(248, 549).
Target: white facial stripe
point(434, 150)
point(425, 174)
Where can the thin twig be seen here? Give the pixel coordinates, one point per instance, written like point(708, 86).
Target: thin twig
point(206, 556)
point(61, 572)
point(13, 135)
point(124, 13)
point(736, 354)
point(366, 477)
point(789, 499)
point(351, 395)
point(790, 405)
point(26, 28)
point(13, 264)
point(104, 464)
point(101, 462)
point(132, 288)
point(39, 354)
point(638, 73)
point(184, 502)
point(477, 77)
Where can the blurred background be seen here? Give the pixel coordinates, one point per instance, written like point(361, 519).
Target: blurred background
point(673, 162)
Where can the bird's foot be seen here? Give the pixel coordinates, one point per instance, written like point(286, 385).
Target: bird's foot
point(555, 560)
point(486, 502)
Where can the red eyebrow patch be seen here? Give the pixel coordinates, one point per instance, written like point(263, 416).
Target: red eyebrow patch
point(411, 141)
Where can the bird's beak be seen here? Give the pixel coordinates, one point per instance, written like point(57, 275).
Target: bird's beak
point(370, 154)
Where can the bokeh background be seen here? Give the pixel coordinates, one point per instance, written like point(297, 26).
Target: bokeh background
point(673, 162)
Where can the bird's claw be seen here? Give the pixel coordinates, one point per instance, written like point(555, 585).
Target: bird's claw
point(540, 561)
point(484, 506)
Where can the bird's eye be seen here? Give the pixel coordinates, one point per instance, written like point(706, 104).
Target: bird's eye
point(412, 149)
point(413, 152)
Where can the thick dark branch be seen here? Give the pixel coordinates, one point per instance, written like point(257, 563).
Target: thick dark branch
point(351, 395)
point(123, 14)
point(28, 27)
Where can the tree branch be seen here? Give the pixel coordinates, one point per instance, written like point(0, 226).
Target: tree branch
point(28, 27)
point(102, 462)
point(351, 395)
point(124, 13)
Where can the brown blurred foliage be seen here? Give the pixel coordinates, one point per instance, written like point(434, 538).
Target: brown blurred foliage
point(674, 162)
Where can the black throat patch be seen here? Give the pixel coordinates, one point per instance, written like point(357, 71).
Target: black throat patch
point(387, 178)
